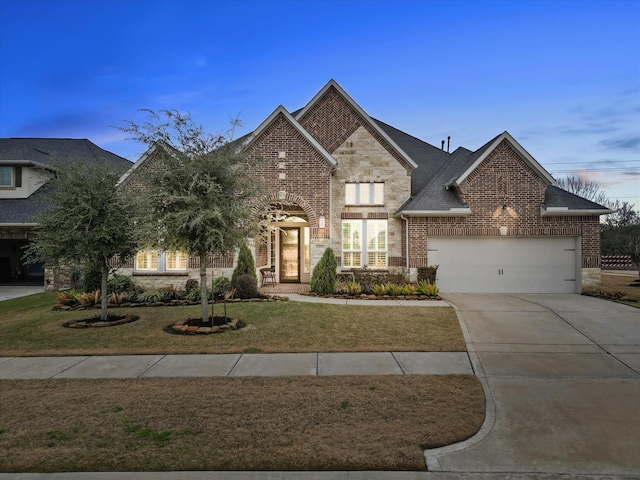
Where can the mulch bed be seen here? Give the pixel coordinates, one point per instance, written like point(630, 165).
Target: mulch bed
point(195, 326)
point(365, 296)
point(97, 322)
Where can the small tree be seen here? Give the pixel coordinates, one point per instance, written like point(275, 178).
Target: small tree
point(245, 266)
point(198, 188)
point(89, 221)
point(323, 279)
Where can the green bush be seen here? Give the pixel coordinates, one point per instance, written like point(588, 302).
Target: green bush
point(221, 285)
point(428, 273)
point(92, 277)
point(247, 286)
point(323, 279)
point(245, 266)
point(119, 283)
point(191, 285)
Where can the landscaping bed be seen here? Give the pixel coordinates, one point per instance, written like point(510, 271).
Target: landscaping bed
point(97, 322)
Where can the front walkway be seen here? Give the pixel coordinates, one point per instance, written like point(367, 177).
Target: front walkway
point(236, 365)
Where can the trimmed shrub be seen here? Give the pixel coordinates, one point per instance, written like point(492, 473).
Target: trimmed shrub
point(323, 279)
point(191, 285)
point(119, 283)
point(247, 286)
point(428, 273)
point(245, 266)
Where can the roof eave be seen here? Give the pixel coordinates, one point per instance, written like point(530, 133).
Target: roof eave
point(567, 212)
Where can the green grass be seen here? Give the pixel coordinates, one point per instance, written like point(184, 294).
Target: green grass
point(28, 326)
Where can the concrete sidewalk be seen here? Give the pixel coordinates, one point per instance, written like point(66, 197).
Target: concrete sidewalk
point(236, 365)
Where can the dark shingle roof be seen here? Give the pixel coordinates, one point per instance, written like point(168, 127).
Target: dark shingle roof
point(43, 151)
point(23, 210)
point(428, 158)
point(557, 197)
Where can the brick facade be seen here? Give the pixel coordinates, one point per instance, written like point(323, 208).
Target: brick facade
point(504, 191)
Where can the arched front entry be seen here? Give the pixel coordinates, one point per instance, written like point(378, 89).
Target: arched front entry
point(288, 247)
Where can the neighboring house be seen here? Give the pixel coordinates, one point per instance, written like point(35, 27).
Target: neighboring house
point(491, 219)
point(25, 166)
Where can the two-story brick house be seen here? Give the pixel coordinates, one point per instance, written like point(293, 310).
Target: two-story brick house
point(491, 219)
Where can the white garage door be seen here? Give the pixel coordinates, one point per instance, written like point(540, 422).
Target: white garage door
point(504, 265)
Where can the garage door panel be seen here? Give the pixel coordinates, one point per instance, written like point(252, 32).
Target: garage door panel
point(504, 265)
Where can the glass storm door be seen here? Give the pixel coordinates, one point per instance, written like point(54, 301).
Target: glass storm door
point(290, 254)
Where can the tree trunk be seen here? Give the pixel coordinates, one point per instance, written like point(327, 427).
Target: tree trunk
point(203, 287)
point(103, 290)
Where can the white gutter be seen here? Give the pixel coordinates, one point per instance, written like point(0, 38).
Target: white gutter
point(18, 224)
point(564, 211)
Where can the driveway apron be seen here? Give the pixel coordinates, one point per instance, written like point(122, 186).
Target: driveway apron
point(563, 374)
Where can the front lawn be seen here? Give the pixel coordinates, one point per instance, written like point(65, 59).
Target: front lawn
point(287, 423)
point(621, 286)
point(28, 326)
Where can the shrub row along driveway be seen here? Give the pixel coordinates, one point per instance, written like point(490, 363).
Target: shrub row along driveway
point(563, 371)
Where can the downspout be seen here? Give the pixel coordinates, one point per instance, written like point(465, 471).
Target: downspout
point(406, 246)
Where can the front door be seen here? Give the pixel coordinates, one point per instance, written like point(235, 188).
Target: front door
point(290, 254)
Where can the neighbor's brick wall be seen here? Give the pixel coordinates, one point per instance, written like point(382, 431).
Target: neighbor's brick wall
point(504, 178)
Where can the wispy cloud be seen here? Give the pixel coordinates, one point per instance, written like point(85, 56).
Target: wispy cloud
point(632, 143)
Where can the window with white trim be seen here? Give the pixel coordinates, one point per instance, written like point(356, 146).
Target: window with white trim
point(364, 193)
point(364, 243)
point(154, 261)
point(6, 176)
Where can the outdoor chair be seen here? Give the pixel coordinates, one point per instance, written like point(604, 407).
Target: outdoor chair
point(268, 275)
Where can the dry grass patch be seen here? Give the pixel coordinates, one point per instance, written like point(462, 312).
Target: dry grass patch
point(294, 423)
point(29, 327)
point(614, 284)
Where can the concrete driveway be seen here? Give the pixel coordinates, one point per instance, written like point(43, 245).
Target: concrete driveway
point(563, 375)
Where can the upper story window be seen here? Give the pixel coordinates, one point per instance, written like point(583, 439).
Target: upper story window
point(6, 176)
point(152, 261)
point(364, 193)
point(10, 177)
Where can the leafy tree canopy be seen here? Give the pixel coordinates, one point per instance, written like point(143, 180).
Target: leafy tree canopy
point(197, 188)
point(87, 220)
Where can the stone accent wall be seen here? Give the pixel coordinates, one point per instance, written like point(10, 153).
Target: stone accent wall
point(505, 179)
point(361, 158)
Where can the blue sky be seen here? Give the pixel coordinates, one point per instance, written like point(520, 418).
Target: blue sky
point(562, 77)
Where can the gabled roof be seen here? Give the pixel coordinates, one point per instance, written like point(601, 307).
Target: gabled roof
point(43, 151)
point(283, 111)
point(477, 157)
point(373, 124)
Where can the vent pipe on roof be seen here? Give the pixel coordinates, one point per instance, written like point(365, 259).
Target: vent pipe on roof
point(448, 142)
point(442, 146)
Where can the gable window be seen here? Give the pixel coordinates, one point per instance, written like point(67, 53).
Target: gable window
point(364, 243)
point(364, 193)
point(6, 176)
point(154, 261)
